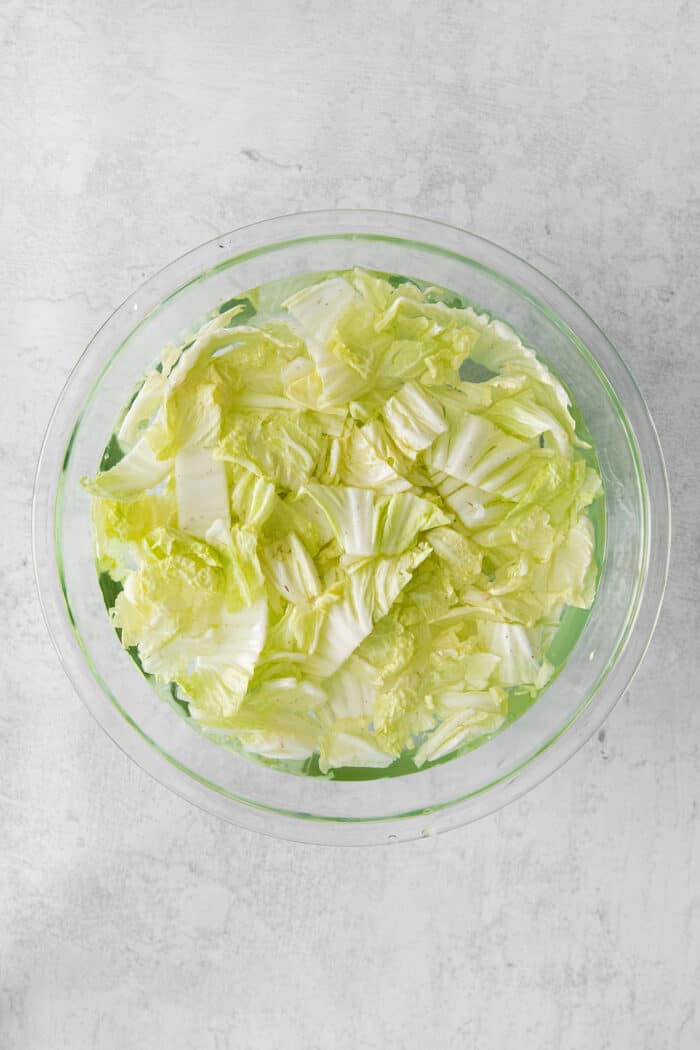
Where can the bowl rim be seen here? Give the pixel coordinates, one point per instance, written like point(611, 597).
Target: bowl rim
point(562, 745)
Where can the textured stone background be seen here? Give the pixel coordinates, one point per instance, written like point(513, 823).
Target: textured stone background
point(129, 132)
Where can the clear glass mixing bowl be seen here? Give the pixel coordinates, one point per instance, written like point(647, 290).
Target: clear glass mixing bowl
point(470, 785)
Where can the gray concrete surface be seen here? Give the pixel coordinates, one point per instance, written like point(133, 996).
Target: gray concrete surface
point(129, 132)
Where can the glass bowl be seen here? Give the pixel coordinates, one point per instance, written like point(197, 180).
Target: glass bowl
point(471, 784)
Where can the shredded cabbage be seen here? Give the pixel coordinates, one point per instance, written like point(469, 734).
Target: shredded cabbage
point(328, 542)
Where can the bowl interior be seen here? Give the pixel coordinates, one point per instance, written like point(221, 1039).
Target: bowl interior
point(171, 306)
